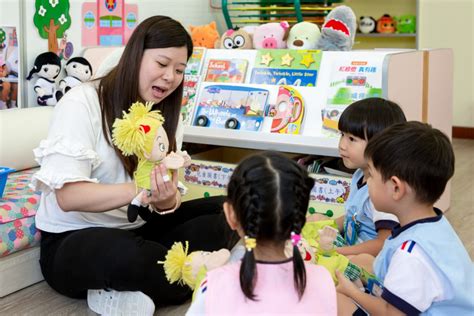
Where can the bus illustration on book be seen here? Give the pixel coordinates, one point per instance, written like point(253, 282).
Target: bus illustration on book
point(231, 107)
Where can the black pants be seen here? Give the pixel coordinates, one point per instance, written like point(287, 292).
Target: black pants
point(126, 260)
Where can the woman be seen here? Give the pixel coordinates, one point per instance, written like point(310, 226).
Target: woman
point(87, 242)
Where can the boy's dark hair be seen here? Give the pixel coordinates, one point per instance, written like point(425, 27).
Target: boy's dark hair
point(270, 195)
point(367, 117)
point(416, 153)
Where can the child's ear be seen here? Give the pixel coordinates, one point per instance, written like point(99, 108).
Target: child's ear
point(399, 188)
point(230, 216)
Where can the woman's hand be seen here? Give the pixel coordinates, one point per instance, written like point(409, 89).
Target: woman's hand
point(163, 188)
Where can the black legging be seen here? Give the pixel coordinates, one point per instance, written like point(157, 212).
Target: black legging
point(126, 260)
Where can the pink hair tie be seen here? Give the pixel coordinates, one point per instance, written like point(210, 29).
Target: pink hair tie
point(295, 238)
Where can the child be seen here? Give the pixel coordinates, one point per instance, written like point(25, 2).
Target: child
point(423, 266)
point(364, 229)
point(268, 196)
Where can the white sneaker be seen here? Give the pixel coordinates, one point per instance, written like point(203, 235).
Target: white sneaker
point(115, 303)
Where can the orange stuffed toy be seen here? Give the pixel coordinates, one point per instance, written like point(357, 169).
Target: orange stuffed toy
point(204, 35)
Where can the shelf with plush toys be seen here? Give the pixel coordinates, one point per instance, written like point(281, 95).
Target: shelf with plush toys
point(259, 91)
point(385, 23)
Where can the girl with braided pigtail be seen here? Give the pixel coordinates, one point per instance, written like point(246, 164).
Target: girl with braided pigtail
point(267, 200)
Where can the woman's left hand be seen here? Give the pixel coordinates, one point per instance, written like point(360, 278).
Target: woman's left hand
point(163, 188)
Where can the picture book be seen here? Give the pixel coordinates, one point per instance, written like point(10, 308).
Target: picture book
point(286, 67)
point(190, 86)
point(287, 112)
point(196, 61)
point(231, 107)
point(226, 70)
point(351, 80)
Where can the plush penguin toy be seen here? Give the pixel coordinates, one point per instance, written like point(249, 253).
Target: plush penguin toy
point(338, 31)
point(78, 70)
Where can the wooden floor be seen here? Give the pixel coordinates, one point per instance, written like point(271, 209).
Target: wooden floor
point(40, 299)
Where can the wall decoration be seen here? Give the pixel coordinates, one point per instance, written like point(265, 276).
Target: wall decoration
point(108, 22)
point(9, 66)
point(52, 19)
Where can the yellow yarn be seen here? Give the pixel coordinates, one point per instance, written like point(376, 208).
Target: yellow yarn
point(128, 133)
point(177, 265)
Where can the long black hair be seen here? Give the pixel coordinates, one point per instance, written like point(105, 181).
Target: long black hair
point(270, 195)
point(367, 117)
point(119, 88)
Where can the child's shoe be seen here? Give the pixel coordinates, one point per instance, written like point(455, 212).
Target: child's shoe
point(114, 303)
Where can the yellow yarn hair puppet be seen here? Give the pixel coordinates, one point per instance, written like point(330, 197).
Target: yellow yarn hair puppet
point(190, 269)
point(140, 132)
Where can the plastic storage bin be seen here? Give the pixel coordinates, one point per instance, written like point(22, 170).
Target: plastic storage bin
point(4, 171)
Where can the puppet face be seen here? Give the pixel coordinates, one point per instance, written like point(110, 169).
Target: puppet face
point(303, 35)
point(160, 146)
point(210, 260)
point(366, 24)
point(49, 71)
point(78, 70)
point(386, 24)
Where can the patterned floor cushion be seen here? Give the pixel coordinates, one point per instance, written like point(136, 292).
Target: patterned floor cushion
point(17, 214)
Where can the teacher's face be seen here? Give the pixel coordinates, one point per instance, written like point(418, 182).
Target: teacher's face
point(161, 72)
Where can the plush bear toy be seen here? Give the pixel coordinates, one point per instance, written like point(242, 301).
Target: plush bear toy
point(303, 35)
point(367, 24)
point(236, 38)
point(78, 70)
point(204, 35)
point(47, 67)
point(338, 31)
point(271, 35)
point(140, 132)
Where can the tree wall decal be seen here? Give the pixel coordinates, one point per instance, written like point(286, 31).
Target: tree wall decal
point(52, 19)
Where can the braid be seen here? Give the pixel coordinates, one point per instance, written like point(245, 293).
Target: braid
point(270, 195)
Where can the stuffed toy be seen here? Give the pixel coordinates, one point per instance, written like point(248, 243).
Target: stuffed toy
point(386, 24)
point(140, 132)
point(47, 67)
point(271, 35)
point(303, 35)
point(191, 268)
point(367, 24)
point(329, 258)
point(236, 38)
point(406, 24)
point(338, 31)
point(78, 70)
point(204, 35)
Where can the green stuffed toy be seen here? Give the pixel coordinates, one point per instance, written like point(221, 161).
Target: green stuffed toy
point(406, 24)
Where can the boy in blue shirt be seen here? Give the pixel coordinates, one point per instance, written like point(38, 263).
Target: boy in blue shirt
point(423, 267)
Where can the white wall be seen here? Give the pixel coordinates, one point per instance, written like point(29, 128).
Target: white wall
point(449, 24)
point(188, 12)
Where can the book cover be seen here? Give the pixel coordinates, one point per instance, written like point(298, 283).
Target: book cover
point(226, 70)
point(196, 61)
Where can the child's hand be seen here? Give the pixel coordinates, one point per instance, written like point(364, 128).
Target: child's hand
point(317, 217)
point(344, 285)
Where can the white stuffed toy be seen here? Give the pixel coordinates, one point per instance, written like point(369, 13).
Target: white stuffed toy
point(47, 67)
point(303, 35)
point(78, 70)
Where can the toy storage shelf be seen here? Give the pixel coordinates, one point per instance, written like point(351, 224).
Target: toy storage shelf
point(241, 12)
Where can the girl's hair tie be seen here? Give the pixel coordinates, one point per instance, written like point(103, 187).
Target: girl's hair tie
point(295, 238)
point(250, 243)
